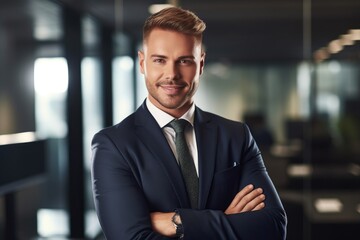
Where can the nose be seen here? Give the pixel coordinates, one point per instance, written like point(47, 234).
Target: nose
point(171, 71)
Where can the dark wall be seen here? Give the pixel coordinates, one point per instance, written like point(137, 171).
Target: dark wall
point(17, 113)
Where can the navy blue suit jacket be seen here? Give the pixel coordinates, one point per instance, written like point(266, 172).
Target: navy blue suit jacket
point(134, 172)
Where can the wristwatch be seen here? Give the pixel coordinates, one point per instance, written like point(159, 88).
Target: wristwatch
point(176, 220)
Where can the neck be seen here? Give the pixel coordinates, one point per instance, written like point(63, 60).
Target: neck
point(175, 112)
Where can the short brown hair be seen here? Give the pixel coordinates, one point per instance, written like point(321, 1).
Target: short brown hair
point(176, 19)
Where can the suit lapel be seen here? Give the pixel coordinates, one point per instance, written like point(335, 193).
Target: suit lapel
point(152, 136)
point(206, 137)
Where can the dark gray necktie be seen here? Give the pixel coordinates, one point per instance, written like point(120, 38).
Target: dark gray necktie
point(186, 162)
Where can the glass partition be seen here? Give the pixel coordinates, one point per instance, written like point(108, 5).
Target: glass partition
point(303, 111)
point(93, 118)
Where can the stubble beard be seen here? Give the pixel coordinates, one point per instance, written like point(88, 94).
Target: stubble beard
point(171, 101)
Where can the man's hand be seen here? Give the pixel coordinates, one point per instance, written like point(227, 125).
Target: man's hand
point(248, 199)
point(162, 224)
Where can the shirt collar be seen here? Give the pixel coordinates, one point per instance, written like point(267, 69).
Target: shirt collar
point(163, 118)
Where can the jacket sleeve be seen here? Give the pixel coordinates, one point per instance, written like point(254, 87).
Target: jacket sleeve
point(121, 207)
point(268, 223)
point(123, 210)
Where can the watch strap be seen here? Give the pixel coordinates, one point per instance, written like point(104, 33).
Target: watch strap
point(178, 225)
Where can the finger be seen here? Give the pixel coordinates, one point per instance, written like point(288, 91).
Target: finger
point(253, 203)
point(259, 206)
point(247, 199)
point(240, 195)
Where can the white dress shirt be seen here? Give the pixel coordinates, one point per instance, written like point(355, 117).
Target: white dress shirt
point(162, 118)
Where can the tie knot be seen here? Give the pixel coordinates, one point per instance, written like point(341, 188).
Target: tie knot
point(178, 125)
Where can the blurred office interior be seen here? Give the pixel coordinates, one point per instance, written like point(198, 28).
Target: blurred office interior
point(289, 69)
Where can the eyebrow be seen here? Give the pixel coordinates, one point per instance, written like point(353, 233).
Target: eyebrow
point(165, 57)
point(157, 56)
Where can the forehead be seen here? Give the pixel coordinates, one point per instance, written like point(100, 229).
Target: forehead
point(160, 39)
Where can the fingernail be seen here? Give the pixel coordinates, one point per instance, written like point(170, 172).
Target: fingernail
point(250, 186)
point(260, 190)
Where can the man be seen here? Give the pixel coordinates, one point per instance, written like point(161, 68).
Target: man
point(143, 187)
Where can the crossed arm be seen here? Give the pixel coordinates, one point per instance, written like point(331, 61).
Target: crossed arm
point(248, 199)
point(123, 209)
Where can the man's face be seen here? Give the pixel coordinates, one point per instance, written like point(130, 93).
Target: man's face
point(172, 64)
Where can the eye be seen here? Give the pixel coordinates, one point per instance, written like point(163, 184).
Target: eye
point(186, 61)
point(159, 60)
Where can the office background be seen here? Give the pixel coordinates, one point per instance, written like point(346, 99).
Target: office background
point(289, 69)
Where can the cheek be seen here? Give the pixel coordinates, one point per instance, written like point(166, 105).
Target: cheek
point(191, 74)
point(195, 86)
point(152, 75)
point(152, 71)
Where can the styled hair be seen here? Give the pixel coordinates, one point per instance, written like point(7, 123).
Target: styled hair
point(175, 19)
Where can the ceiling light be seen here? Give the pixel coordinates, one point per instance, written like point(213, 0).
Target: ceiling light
point(335, 46)
point(299, 170)
point(354, 169)
point(346, 40)
point(321, 54)
point(355, 34)
point(17, 138)
point(328, 205)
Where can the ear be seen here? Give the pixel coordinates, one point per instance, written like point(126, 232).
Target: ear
point(202, 62)
point(141, 61)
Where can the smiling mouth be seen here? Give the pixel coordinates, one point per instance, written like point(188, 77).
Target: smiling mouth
point(172, 89)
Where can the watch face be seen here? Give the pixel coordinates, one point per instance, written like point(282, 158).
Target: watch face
point(177, 220)
point(178, 225)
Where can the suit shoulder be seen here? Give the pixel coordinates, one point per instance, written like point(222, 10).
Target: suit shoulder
point(221, 120)
point(227, 127)
point(123, 127)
